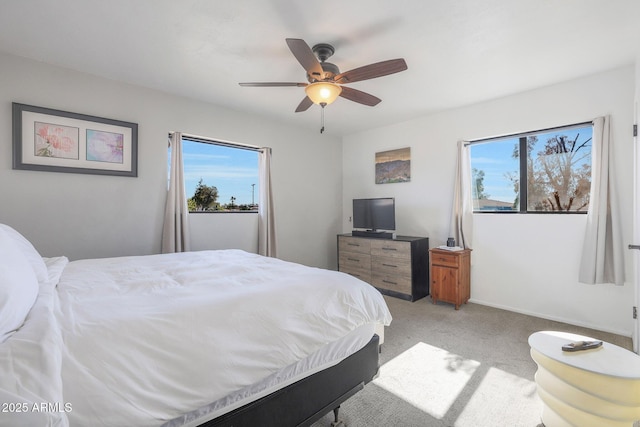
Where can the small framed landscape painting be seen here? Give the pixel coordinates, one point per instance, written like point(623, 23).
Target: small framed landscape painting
point(59, 141)
point(393, 166)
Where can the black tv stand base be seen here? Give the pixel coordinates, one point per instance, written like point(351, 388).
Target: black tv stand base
point(373, 234)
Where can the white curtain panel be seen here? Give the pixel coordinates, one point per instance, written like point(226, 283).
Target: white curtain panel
point(462, 212)
point(175, 233)
point(266, 218)
point(603, 252)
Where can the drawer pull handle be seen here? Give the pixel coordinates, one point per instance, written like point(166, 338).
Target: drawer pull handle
point(390, 282)
point(389, 249)
point(390, 265)
point(353, 244)
point(353, 259)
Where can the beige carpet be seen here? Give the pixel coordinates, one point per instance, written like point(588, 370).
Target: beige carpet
point(465, 368)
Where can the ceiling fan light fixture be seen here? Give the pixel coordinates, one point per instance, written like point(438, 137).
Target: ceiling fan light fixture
point(323, 92)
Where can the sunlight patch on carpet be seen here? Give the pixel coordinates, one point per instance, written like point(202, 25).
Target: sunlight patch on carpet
point(497, 391)
point(427, 377)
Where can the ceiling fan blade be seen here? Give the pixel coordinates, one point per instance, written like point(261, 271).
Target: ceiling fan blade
point(304, 104)
point(272, 84)
point(372, 71)
point(359, 96)
point(305, 57)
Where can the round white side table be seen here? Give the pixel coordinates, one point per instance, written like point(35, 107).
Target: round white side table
point(589, 388)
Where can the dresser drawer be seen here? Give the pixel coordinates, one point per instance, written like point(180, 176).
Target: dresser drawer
point(391, 265)
point(400, 284)
point(391, 248)
point(445, 259)
point(354, 244)
point(364, 275)
point(354, 260)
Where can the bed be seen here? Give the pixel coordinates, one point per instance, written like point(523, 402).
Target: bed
point(209, 338)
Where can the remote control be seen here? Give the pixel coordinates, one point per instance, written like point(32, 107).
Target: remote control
point(581, 345)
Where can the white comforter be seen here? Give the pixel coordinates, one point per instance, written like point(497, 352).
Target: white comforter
point(147, 339)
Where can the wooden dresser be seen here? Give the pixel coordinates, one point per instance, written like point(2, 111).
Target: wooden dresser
point(396, 267)
point(450, 276)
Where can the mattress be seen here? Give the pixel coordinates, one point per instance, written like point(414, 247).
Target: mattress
point(177, 339)
point(326, 357)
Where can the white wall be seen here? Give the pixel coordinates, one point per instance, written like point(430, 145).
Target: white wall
point(240, 231)
point(86, 216)
point(524, 263)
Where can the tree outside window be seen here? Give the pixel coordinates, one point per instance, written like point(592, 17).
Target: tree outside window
point(546, 171)
point(204, 198)
point(558, 172)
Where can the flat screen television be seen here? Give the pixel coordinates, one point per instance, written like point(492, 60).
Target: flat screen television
point(374, 214)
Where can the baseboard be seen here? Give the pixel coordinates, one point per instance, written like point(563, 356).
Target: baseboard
point(554, 318)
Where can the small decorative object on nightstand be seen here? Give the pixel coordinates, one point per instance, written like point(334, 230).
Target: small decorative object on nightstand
point(450, 275)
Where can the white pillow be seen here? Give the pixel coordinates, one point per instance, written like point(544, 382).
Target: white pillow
point(29, 252)
point(18, 286)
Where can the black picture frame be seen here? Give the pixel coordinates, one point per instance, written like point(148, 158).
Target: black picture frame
point(51, 140)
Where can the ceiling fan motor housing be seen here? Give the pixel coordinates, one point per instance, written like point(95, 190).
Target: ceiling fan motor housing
point(329, 71)
point(324, 51)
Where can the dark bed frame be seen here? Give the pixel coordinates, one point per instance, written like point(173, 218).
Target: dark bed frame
point(306, 401)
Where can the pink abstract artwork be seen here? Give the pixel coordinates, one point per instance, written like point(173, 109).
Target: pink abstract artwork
point(56, 141)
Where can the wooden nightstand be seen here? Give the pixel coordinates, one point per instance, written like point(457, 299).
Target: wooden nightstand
point(450, 276)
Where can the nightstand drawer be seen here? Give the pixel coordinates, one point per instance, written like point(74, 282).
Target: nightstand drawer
point(444, 259)
point(400, 284)
point(354, 244)
point(390, 248)
point(390, 265)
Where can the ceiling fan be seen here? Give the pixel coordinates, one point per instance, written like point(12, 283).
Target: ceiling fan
point(326, 82)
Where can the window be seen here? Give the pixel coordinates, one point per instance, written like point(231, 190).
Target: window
point(220, 177)
point(543, 171)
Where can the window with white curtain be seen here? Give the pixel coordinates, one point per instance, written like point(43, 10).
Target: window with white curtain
point(220, 177)
point(546, 171)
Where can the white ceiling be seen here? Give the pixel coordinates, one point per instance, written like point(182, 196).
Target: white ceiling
point(458, 52)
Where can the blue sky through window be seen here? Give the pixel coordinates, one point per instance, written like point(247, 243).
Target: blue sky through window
point(496, 160)
point(231, 170)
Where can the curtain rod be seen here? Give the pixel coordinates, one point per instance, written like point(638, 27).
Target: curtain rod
point(208, 140)
point(521, 134)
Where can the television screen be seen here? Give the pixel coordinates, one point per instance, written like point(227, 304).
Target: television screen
point(374, 214)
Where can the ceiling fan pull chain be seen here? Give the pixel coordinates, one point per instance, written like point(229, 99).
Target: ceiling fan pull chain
point(322, 117)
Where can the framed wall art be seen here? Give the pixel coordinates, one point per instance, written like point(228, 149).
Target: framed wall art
point(59, 141)
point(393, 166)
